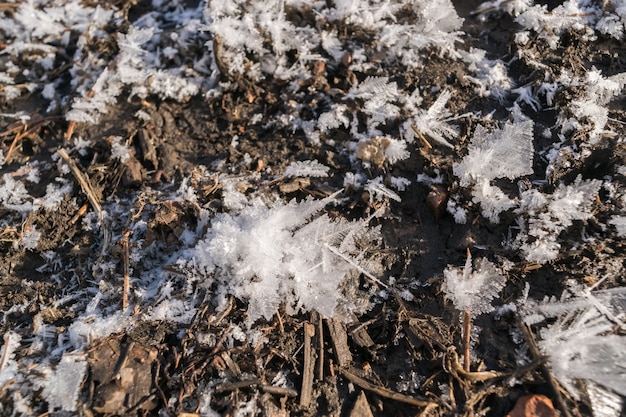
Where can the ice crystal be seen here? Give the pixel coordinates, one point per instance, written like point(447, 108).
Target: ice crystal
point(378, 191)
point(503, 153)
point(619, 222)
point(62, 385)
point(268, 254)
point(433, 122)
point(551, 214)
point(306, 169)
point(473, 288)
point(580, 345)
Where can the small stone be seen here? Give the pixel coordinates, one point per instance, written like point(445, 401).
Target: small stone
point(533, 406)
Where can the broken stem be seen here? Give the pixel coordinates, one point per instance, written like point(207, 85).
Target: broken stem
point(126, 268)
point(467, 328)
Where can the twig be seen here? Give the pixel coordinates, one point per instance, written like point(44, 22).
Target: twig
point(22, 131)
point(85, 185)
point(231, 386)
point(126, 268)
point(309, 366)
point(317, 320)
point(289, 392)
point(81, 211)
point(467, 328)
point(384, 392)
point(225, 313)
point(422, 137)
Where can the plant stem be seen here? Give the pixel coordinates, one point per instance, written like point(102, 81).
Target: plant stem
point(467, 328)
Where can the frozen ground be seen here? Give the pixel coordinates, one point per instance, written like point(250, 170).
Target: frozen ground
point(312, 208)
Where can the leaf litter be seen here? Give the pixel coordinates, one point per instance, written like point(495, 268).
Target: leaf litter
point(263, 208)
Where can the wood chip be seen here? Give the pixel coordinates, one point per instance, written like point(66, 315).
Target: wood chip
point(339, 337)
point(358, 332)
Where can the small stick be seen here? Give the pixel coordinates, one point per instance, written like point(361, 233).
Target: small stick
point(232, 386)
point(320, 347)
point(126, 268)
point(384, 392)
point(81, 211)
point(18, 136)
point(339, 339)
point(289, 392)
point(422, 137)
point(467, 328)
point(280, 322)
point(309, 366)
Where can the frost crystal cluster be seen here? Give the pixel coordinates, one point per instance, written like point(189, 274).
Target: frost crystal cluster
point(283, 253)
point(473, 288)
point(582, 344)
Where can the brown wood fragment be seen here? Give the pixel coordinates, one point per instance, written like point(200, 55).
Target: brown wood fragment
point(126, 268)
point(359, 334)
point(316, 319)
point(286, 392)
point(339, 337)
point(361, 407)
point(232, 386)
point(384, 392)
point(309, 366)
